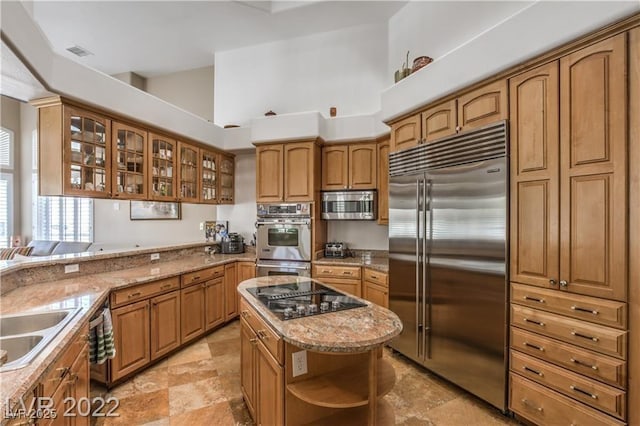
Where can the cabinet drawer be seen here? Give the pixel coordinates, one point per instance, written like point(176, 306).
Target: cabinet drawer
point(345, 285)
point(202, 275)
point(543, 406)
point(599, 338)
point(376, 276)
point(600, 311)
point(336, 271)
point(62, 367)
point(599, 367)
point(143, 291)
point(595, 394)
point(271, 340)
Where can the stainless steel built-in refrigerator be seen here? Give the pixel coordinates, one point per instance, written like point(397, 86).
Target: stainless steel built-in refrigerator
point(448, 258)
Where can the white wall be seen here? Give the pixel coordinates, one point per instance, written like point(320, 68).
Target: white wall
point(433, 28)
point(345, 69)
point(10, 120)
point(359, 234)
point(114, 229)
point(191, 90)
point(242, 215)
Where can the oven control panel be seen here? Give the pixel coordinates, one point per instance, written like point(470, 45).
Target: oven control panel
point(284, 210)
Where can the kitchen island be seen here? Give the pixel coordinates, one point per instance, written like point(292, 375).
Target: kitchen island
point(319, 368)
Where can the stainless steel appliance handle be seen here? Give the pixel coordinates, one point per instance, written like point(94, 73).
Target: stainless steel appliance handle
point(261, 265)
point(418, 261)
point(286, 222)
point(426, 249)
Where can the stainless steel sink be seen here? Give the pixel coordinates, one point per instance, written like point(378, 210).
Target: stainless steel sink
point(27, 323)
point(24, 336)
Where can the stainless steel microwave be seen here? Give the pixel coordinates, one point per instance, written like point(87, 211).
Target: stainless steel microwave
point(349, 205)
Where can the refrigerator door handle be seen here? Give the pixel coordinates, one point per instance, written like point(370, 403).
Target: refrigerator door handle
point(426, 240)
point(419, 300)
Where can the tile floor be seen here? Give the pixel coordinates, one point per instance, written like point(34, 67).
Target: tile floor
point(200, 385)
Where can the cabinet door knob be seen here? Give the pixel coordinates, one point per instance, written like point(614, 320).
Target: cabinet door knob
point(553, 282)
point(458, 128)
point(563, 284)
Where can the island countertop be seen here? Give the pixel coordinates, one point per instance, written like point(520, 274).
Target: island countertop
point(350, 331)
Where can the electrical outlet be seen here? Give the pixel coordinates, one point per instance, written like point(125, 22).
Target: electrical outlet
point(155, 256)
point(116, 206)
point(71, 268)
point(155, 271)
point(202, 226)
point(299, 363)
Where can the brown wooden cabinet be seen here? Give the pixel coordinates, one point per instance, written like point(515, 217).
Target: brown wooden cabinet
point(214, 303)
point(163, 154)
point(131, 338)
point(188, 173)
point(209, 171)
point(593, 170)
point(406, 133)
point(269, 173)
point(287, 172)
point(351, 166)
point(79, 388)
point(192, 312)
point(74, 151)
point(246, 271)
point(227, 173)
point(270, 379)
point(165, 324)
point(483, 106)
point(129, 161)
point(230, 291)
point(383, 181)
point(343, 278)
point(375, 287)
point(439, 121)
point(248, 362)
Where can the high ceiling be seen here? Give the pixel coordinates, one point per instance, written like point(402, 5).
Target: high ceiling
point(153, 38)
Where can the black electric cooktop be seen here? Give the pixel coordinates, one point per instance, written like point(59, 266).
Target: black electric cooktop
point(302, 299)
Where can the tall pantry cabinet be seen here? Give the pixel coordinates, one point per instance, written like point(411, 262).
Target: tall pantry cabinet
point(569, 236)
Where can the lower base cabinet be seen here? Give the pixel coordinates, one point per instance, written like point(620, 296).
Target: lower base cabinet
point(192, 308)
point(214, 303)
point(131, 338)
point(231, 291)
point(165, 324)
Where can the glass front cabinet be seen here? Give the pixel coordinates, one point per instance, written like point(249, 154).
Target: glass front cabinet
point(209, 181)
point(226, 179)
point(128, 164)
point(189, 172)
point(163, 154)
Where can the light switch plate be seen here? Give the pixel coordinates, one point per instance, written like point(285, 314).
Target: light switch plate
point(74, 267)
point(299, 363)
point(155, 256)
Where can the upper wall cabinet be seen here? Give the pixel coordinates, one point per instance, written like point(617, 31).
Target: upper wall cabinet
point(383, 182)
point(351, 166)
point(74, 155)
point(189, 172)
point(287, 172)
point(209, 177)
point(163, 154)
point(226, 178)
point(129, 164)
point(482, 106)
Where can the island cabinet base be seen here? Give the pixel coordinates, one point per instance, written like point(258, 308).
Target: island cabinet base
point(338, 388)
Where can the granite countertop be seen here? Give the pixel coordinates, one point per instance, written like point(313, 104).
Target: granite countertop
point(349, 331)
point(379, 263)
point(88, 292)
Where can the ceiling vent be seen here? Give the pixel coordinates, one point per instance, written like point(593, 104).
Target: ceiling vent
point(79, 51)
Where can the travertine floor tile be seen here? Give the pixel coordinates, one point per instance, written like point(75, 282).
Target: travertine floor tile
point(462, 409)
point(191, 372)
point(195, 395)
point(214, 414)
point(140, 409)
point(194, 352)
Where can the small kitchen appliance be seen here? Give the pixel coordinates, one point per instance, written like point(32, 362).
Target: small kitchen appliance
point(233, 244)
point(303, 298)
point(335, 250)
point(349, 205)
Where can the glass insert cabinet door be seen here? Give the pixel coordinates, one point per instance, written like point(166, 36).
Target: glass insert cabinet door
point(226, 179)
point(87, 153)
point(129, 165)
point(188, 161)
point(163, 154)
point(209, 181)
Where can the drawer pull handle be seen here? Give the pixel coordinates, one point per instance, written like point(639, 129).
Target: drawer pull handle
point(589, 311)
point(375, 277)
point(136, 294)
point(262, 334)
point(526, 403)
point(63, 372)
point(584, 336)
point(254, 340)
point(534, 299)
point(531, 345)
point(584, 364)
point(324, 271)
point(196, 278)
point(346, 272)
point(531, 370)
point(584, 392)
point(245, 314)
point(540, 323)
point(166, 286)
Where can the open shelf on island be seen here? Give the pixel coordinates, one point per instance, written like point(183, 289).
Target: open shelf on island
point(344, 388)
point(356, 416)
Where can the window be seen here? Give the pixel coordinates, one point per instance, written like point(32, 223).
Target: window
point(59, 218)
point(6, 186)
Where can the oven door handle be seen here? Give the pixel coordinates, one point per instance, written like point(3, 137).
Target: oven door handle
point(262, 265)
point(301, 222)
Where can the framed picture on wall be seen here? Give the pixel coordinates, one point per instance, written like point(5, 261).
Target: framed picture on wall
point(154, 210)
point(216, 230)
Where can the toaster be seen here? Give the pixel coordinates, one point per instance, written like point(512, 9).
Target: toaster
point(335, 250)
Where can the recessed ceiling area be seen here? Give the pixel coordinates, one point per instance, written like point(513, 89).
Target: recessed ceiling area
point(153, 38)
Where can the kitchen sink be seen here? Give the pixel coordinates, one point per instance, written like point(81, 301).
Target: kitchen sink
point(24, 336)
point(27, 323)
